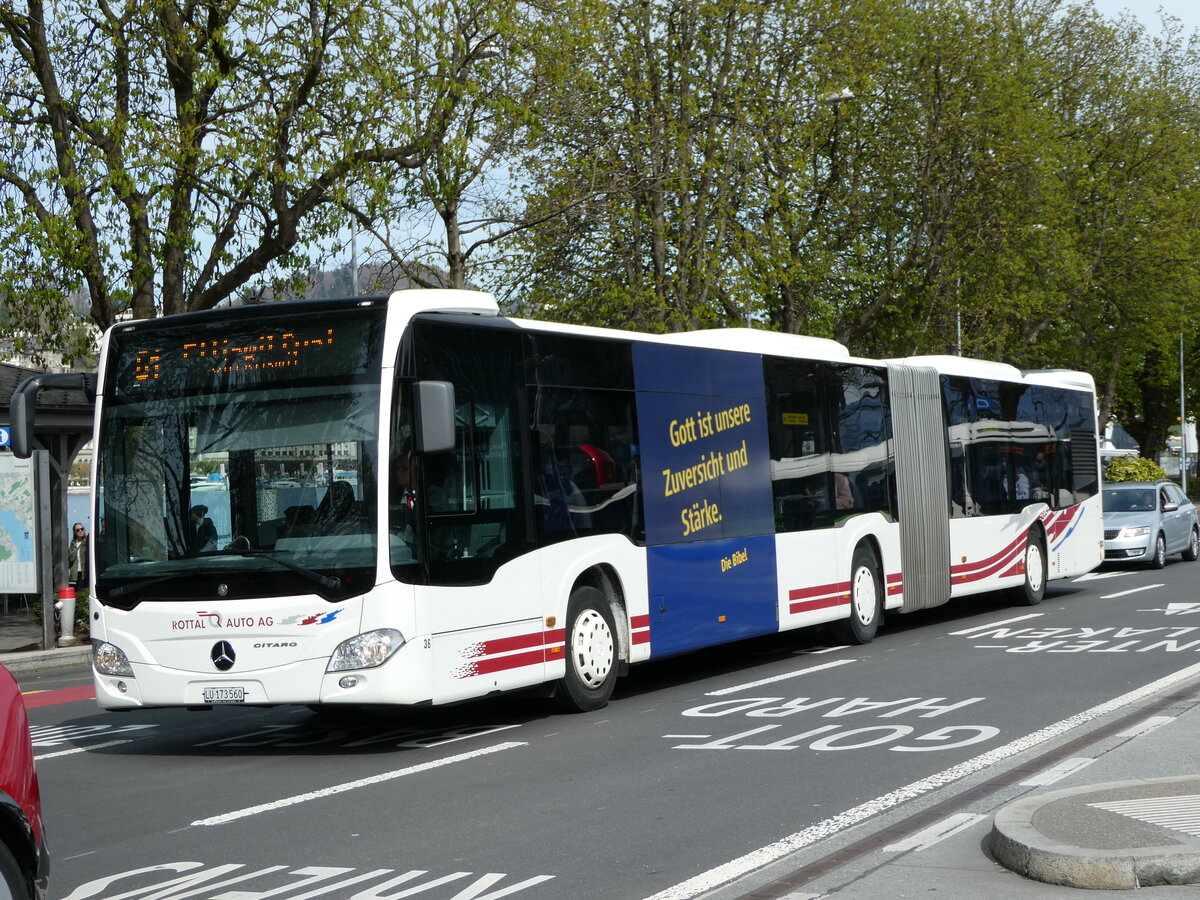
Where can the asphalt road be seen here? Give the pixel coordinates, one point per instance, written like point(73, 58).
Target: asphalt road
point(701, 770)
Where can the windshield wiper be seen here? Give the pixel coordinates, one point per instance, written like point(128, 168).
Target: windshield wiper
point(330, 584)
point(118, 592)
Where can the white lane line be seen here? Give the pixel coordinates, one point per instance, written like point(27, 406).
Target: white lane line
point(756, 859)
point(1096, 576)
point(1058, 771)
point(1177, 813)
point(997, 624)
point(784, 677)
point(1136, 590)
point(79, 750)
point(939, 831)
point(1146, 726)
point(353, 785)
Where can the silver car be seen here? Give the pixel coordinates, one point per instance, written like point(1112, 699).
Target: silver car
point(1145, 521)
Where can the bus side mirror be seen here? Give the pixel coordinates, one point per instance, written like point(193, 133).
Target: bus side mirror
point(435, 416)
point(24, 401)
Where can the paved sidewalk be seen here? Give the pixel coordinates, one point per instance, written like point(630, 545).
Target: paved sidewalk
point(19, 632)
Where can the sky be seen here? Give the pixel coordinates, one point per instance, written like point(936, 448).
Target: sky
point(1187, 11)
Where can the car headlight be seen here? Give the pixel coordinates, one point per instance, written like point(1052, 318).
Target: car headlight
point(366, 651)
point(110, 659)
point(1134, 531)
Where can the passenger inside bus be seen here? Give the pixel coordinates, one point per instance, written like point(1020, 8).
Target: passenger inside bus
point(558, 493)
point(202, 533)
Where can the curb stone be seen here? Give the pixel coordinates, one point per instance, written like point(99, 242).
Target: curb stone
point(34, 661)
point(1020, 846)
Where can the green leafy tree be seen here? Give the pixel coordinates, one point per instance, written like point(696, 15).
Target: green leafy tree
point(167, 153)
point(440, 222)
point(646, 170)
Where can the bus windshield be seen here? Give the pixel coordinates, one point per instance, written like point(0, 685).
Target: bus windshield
point(240, 463)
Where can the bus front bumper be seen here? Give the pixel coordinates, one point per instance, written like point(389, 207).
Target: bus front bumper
point(402, 680)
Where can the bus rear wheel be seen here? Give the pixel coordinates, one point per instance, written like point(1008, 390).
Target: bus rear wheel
point(1034, 588)
point(866, 599)
point(591, 645)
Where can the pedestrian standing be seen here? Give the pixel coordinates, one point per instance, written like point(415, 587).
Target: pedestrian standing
point(77, 557)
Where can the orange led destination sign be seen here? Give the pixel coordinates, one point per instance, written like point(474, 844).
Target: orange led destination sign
point(227, 356)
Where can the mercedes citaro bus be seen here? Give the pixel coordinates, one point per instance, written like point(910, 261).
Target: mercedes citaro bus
point(417, 500)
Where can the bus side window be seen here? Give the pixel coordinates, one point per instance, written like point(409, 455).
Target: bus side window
point(802, 485)
point(586, 468)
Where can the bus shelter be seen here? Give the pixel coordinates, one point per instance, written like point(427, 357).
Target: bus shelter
point(35, 563)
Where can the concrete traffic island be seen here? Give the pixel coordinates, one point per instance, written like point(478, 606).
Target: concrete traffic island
point(1115, 836)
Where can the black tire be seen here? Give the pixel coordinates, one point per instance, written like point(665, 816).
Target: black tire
point(1160, 552)
point(866, 599)
point(1192, 551)
point(1034, 589)
point(591, 648)
point(11, 877)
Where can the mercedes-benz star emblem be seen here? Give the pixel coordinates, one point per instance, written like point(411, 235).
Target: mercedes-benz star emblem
point(223, 655)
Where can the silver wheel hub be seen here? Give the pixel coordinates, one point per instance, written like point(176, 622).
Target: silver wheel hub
point(592, 648)
point(1035, 570)
point(863, 595)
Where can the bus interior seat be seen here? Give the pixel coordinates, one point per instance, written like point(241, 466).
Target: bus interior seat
point(338, 502)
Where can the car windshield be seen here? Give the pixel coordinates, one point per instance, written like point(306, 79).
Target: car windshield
point(246, 460)
point(1129, 500)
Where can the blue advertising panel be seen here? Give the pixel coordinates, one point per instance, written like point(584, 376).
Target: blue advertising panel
point(706, 472)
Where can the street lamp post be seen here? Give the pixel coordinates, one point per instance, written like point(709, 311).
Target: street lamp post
point(1183, 441)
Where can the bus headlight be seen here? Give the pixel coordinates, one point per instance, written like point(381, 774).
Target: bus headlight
point(366, 651)
point(110, 660)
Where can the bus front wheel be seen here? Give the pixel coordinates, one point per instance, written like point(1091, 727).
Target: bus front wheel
point(866, 599)
point(591, 646)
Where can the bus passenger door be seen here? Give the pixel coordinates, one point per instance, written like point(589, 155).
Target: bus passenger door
point(471, 499)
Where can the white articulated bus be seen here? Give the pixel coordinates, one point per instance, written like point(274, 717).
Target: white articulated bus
point(415, 500)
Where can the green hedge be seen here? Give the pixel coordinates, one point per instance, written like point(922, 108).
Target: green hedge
point(1133, 468)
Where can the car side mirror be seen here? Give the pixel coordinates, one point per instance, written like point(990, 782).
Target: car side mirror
point(1170, 507)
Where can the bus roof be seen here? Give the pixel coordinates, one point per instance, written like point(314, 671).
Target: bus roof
point(958, 365)
point(770, 343)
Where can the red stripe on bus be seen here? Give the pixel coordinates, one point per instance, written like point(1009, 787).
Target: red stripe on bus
point(823, 603)
point(995, 561)
point(521, 642)
point(1018, 569)
point(803, 593)
point(503, 663)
